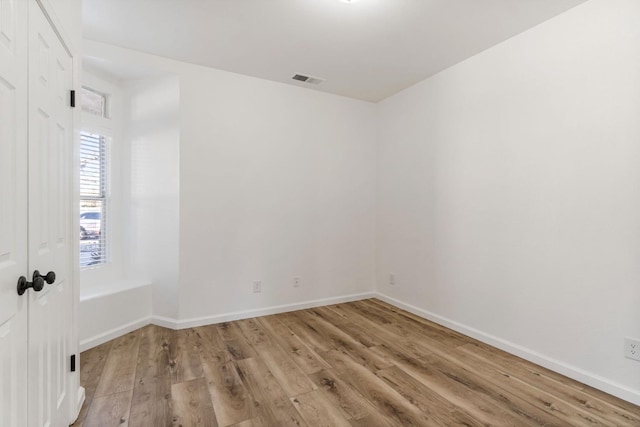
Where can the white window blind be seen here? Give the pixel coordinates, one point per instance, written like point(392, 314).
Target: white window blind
point(93, 199)
point(93, 102)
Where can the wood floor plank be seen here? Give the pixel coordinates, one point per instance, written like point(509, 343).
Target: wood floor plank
point(545, 380)
point(301, 354)
point(414, 321)
point(407, 327)
point(240, 349)
point(192, 406)
point(211, 335)
point(110, 410)
point(92, 364)
point(478, 405)
point(446, 349)
point(422, 339)
point(386, 337)
point(82, 415)
point(364, 363)
point(270, 400)
point(533, 397)
point(318, 411)
point(235, 343)
point(388, 402)
point(440, 410)
point(210, 345)
point(379, 316)
point(228, 331)
point(151, 401)
point(120, 368)
point(342, 395)
point(355, 330)
point(253, 422)
point(372, 421)
point(184, 357)
point(307, 333)
point(497, 384)
point(292, 379)
point(340, 340)
point(509, 403)
point(231, 401)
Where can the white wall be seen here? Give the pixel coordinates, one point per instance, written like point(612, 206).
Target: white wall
point(108, 312)
point(153, 136)
point(509, 194)
point(68, 14)
point(277, 182)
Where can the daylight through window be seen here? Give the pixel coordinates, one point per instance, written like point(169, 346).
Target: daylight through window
point(93, 199)
point(94, 103)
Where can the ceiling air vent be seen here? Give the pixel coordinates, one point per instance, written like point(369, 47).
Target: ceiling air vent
point(307, 79)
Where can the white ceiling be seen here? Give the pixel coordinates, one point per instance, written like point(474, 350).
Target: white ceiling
point(367, 50)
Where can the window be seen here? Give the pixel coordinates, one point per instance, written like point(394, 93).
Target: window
point(93, 199)
point(94, 103)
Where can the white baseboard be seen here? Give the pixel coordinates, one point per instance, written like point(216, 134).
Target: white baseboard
point(113, 333)
point(566, 369)
point(165, 322)
point(247, 314)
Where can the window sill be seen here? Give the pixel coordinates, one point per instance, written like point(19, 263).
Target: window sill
point(109, 288)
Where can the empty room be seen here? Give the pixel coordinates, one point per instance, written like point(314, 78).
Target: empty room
point(319, 213)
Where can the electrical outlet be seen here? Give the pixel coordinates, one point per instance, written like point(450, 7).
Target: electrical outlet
point(632, 348)
point(297, 282)
point(392, 279)
point(257, 287)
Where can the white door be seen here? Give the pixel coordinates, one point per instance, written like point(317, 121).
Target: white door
point(35, 165)
point(13, 211)
point(50, 139)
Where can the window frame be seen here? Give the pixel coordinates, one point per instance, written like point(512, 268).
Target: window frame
point(105, 197)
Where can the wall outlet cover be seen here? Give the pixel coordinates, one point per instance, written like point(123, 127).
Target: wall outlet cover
point(257, 287)
point(632, 348)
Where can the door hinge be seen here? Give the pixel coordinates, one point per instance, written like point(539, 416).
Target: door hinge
point(73, 99)
point(73, 363)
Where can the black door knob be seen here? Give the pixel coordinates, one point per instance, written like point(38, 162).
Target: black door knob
point(23, 285)
point(37, 282)
point(50, 277)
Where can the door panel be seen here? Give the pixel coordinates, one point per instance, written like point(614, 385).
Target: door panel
point(50, 139)
point(13, 211)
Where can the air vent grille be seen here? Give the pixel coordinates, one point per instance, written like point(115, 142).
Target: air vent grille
point(307, 79)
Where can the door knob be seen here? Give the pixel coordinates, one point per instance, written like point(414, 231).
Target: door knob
point(37, 282)
point(23, 285)
point(50, 277)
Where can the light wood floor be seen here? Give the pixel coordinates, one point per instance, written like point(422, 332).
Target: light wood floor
point(357, 364)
